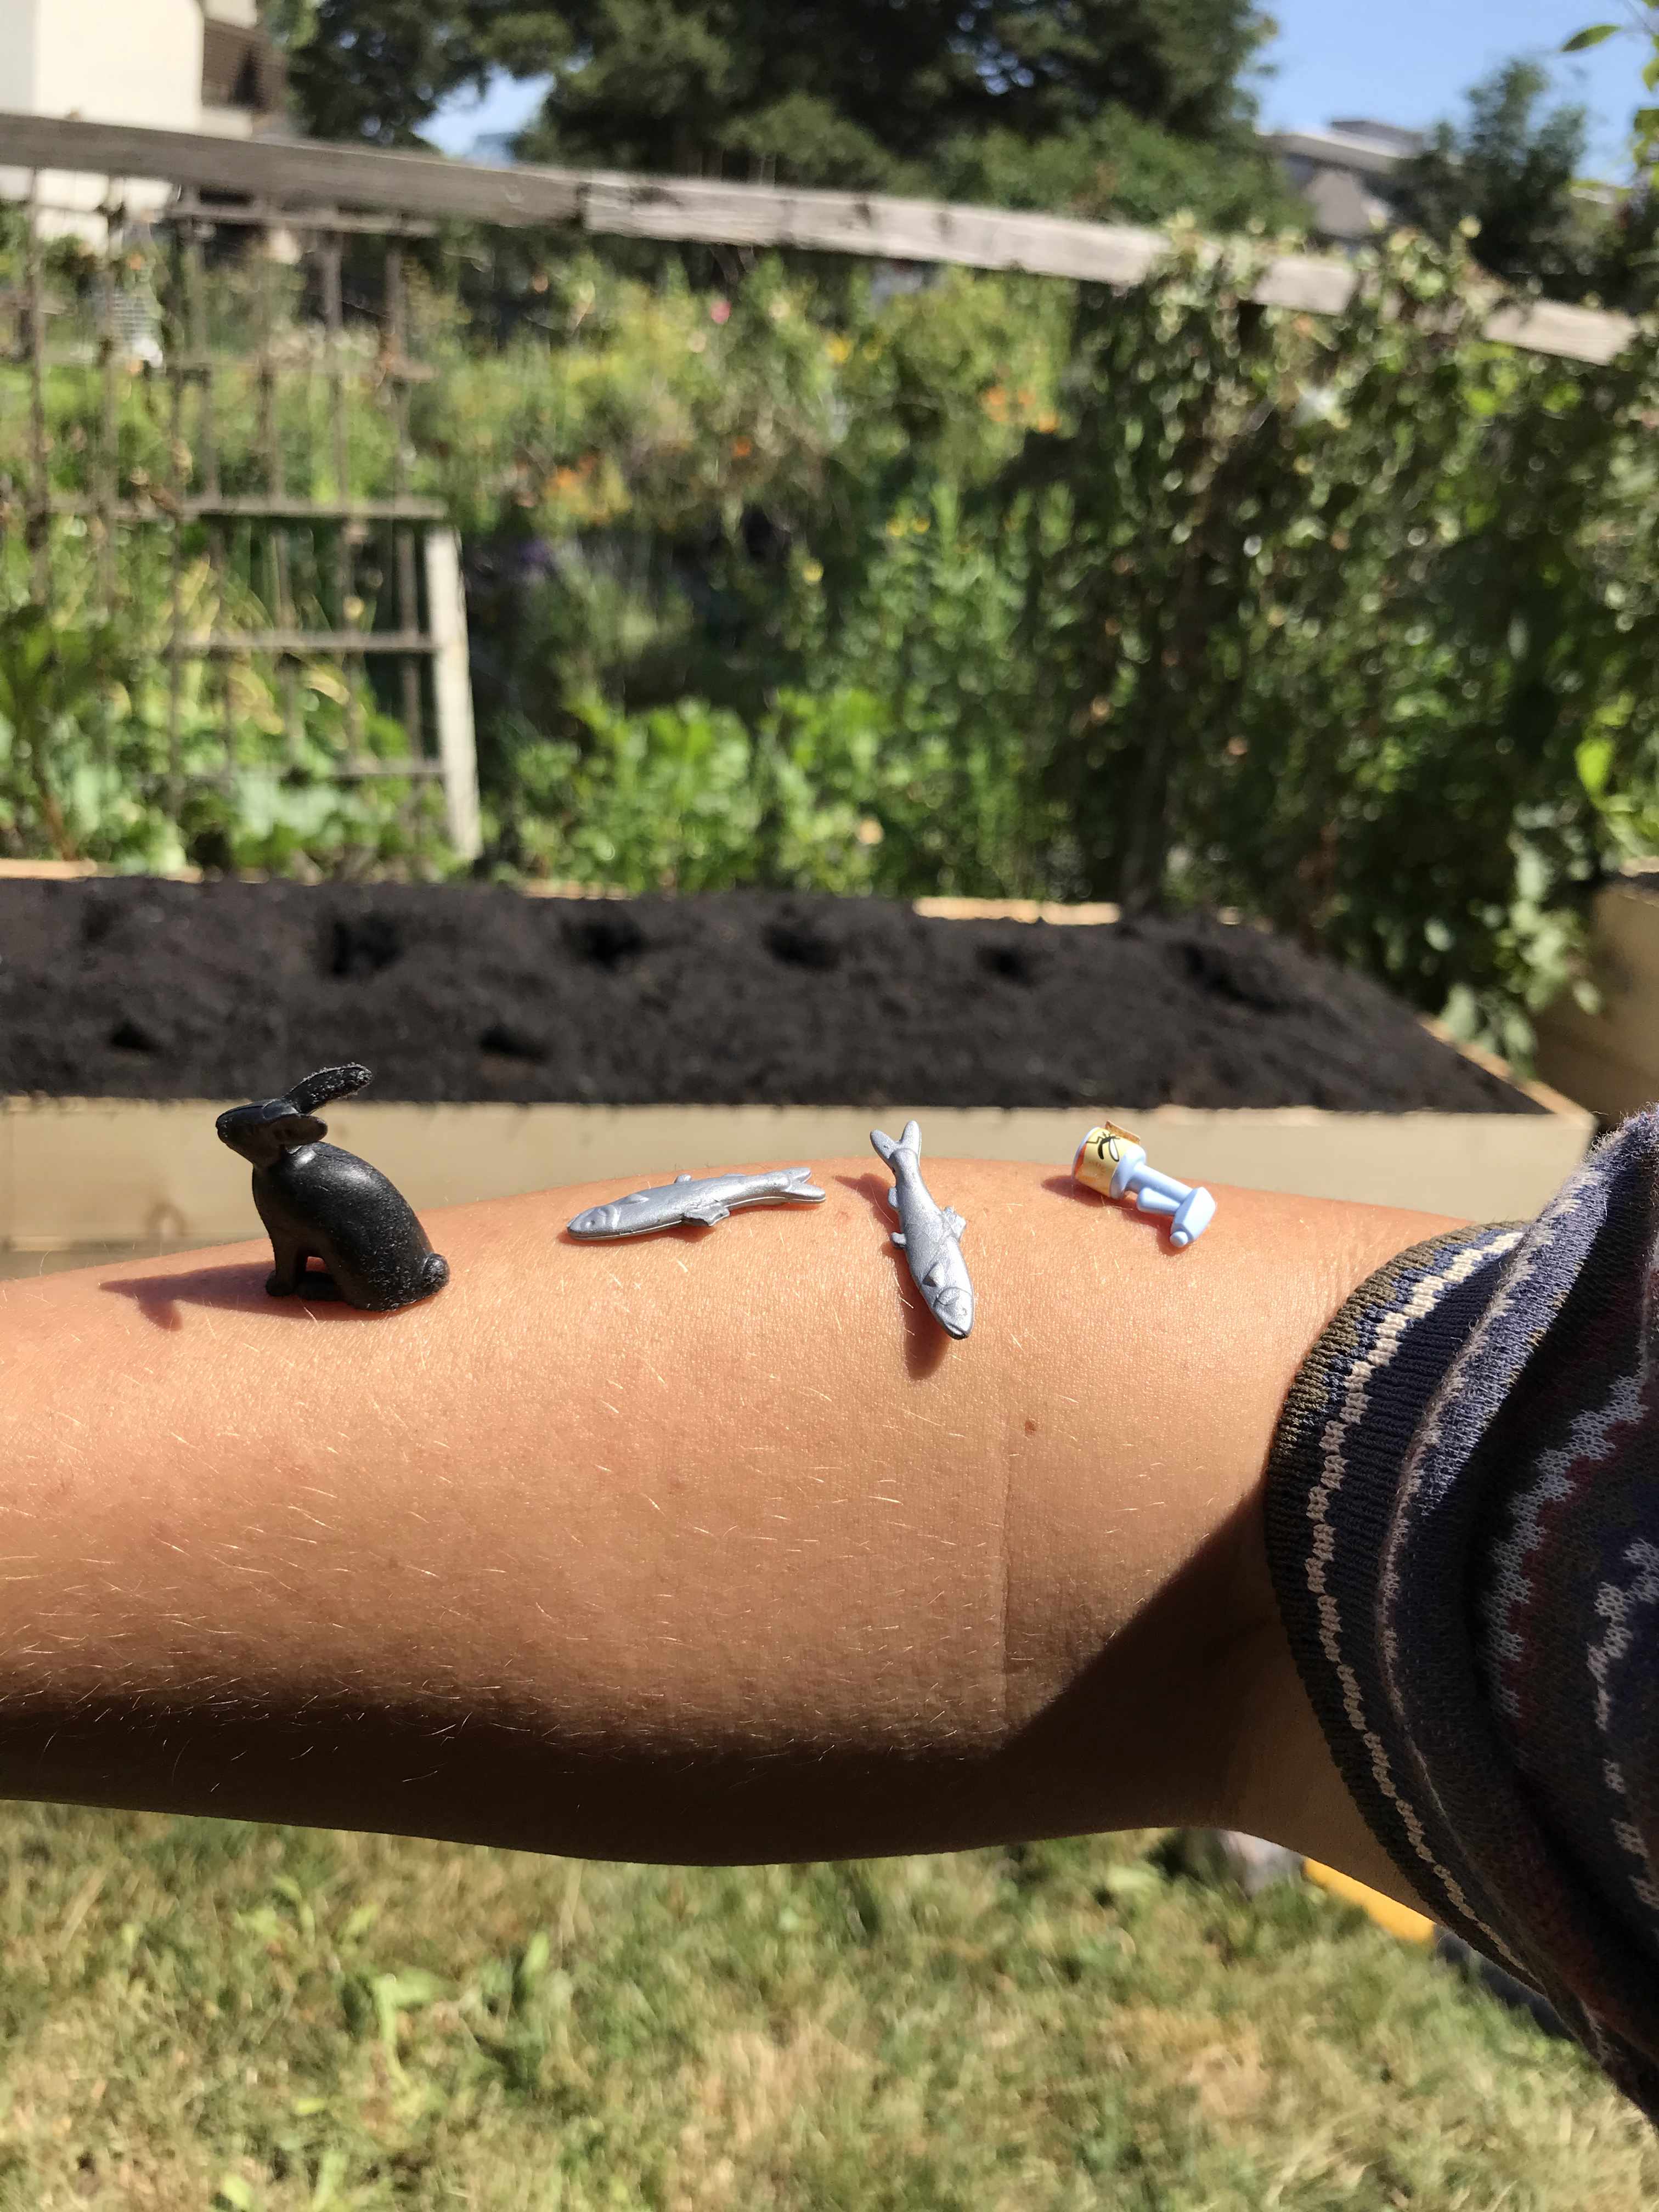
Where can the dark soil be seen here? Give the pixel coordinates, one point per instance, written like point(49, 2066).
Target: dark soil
point(136, 989)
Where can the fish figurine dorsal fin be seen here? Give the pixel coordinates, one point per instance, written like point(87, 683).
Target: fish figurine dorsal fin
point(954, 1222)
point(684, 1177)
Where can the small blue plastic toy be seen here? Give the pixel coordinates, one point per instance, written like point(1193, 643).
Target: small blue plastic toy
point(1114, 1162)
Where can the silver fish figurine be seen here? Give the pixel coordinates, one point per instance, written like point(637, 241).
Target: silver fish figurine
point(705, 1201)
point(930, 1240)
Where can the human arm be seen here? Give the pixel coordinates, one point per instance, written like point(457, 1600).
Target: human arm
point(708, 1545)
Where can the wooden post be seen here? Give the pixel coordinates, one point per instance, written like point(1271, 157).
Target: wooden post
point(451, 684)
point(40, 503)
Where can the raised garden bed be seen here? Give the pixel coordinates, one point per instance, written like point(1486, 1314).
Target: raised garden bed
point(518, 1042)
point(1609, 1061)
point(129, 988)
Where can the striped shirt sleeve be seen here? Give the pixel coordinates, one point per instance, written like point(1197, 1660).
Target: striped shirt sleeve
point(1462, 1515)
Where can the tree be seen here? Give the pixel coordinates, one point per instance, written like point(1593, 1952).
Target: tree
point(1641, 23)
point(867, 92)
point(1137, 106)
point(1120, 168)
point(1512, 169)
point(377, 69)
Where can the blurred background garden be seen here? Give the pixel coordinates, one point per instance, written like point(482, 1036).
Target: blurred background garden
point(799, 570)
point(793, 571)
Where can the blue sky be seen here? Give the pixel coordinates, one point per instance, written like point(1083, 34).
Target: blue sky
point(508, 105)
point(1411, 61)
point(1401, 61)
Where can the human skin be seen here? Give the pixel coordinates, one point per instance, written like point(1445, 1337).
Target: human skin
point(704, 1547)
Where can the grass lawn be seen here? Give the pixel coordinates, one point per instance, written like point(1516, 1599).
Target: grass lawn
point(204, 2016)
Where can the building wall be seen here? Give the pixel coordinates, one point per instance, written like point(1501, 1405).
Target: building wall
point(139, 61)
point(17, 55)
point(104, 61)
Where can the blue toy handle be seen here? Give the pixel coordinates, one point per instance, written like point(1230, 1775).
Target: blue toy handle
point(1192, 1217)
point(1155, 1192)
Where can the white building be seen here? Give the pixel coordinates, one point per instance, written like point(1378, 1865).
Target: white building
point(1345, 172)
point(169, 64)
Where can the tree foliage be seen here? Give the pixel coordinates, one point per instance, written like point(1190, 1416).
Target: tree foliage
point(1511, 169)
point(1094, 106)
point(1641, 23)
point(866, 88)
point(377, 69)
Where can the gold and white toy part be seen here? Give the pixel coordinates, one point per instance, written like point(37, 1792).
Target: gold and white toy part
point(1113, 1161)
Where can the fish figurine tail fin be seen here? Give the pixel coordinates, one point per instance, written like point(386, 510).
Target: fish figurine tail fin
point(888, 1149)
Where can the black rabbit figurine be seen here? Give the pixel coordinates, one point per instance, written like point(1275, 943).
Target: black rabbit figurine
point(315, 1200)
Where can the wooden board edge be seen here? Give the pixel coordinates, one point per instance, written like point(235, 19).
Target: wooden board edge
point(1552, 1101)
point(306, 171)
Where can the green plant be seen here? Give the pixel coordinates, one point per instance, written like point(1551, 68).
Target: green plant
point(105, 756)
point(687, 797)
point(52, 676)
point(1327, 611)
point(1510, 173)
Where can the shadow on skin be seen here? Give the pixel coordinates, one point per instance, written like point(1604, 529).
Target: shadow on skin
point(925, 1342)
point(240, 1289)
point(1064, 1186)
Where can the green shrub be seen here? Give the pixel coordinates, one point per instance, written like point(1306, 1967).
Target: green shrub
point(1328, 612)
point(822, 794)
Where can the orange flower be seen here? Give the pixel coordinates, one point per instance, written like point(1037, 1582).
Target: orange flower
point(742, 448)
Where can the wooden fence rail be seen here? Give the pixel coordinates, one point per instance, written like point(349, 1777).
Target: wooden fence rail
point(296, 173)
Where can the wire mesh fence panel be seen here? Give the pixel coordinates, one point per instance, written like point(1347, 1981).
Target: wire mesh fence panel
point(208, 530)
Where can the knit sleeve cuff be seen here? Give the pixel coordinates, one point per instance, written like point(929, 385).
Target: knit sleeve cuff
point(1448, 1499)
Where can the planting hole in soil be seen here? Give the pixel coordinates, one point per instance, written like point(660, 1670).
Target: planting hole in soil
point(608, 939)
point(507, 1042)
point(798, 944)
point(1248, 972)
point(363, 945)
point(132, 1037)
point(1011, 962)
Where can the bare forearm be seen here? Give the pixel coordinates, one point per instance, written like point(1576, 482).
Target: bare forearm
point(707, 1546)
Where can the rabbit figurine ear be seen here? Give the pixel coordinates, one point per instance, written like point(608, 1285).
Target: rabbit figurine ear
point(327, 1085)
point(287, 1131)
point(262, 1132)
